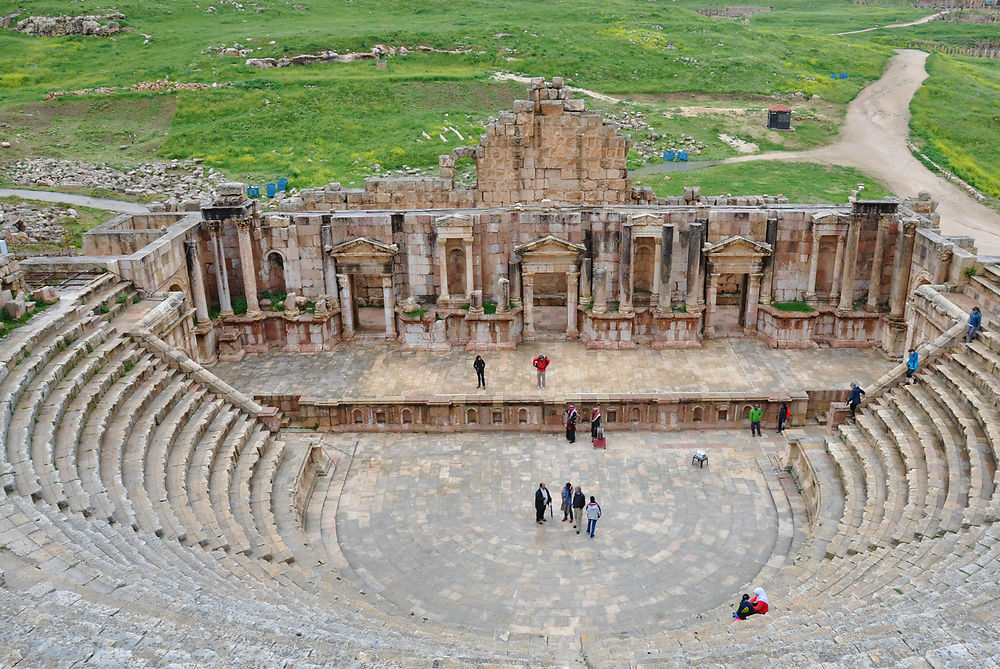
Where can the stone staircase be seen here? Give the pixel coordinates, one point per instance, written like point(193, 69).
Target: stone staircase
point(136, 489)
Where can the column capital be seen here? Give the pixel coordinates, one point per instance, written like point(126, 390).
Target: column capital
point(386, 281)
point(243, 223)
point(944, 253)
point(342, 280)
point(213, 227)
point(909, 227)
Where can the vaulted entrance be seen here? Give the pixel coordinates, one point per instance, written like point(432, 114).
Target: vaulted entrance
point(550, 280)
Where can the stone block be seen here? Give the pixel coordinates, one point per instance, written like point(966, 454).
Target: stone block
point(46, 294)
point(16, 308)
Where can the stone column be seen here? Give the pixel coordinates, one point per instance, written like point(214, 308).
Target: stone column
point(221, 280)
point(813, 266)
point(469, 284)
point(850, 265)
point(389, 305)
point(875, 278)
point(693, 268)
point(329, 264)
point(503, 295)
point(515, 284)
point(625, 273)
point(713, 286)
point(529, 306)
point(600, 291)
point(476, 302)
point(901, 266)
point(347, 304)
point(666, 262)
point(837, 262)
point(753, 299)
point(657, 265)
point(197, 280)
point(443, 295)
point(944, 254)
point(585, 268)
point(767, 281)
point(572, 279)
point(246, 263)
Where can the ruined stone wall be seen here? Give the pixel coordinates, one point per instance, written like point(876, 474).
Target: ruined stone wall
point(11, 279)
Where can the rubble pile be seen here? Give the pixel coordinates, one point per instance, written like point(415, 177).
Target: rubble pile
point(58, 26)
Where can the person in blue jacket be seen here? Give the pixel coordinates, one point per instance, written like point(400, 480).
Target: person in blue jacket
point(975, 322)
point(854, 399)
point(911, 365)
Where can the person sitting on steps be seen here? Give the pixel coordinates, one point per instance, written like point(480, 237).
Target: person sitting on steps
point(758, 604)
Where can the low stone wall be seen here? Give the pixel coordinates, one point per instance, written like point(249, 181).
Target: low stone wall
point(852, 329)
point(786, 329)
point(676, 411)
point(805, 478)
point(303, 333)
point(317, 464)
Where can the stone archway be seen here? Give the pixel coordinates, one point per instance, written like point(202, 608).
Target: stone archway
point(545, 256)
point(369, 263)
point(735, 255)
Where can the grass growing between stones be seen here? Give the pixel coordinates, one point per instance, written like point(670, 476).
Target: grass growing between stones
point(801, 183)
point(8, 324)
point(961, 100)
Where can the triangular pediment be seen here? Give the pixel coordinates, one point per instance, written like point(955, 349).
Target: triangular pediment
point(643, 220)
point(363, 247)
point(453, 221)
point(550, 245)
point(828, 218)
point(737, 246)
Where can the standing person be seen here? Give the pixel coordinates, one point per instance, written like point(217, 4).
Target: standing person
point(975, 322)
point(593, 513)
point(755, 416)
point(480, 366)
point(567, 502)
point(595, 423)
point(571, 418)
point(911, 365)
point(783, 414)
point(854, 399)
point(541, 363)
point(542, 500)
point(579, 514)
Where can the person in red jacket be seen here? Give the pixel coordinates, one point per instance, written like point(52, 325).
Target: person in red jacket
point(541, 363)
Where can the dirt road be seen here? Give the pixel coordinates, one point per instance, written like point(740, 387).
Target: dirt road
point(873, 139)
point(74, 200)
point(926, 19)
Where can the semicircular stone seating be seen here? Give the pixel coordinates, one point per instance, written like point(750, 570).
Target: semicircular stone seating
point(155, 520)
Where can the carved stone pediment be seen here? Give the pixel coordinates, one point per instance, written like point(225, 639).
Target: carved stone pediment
point(737, 246)
point(363, 247)
point(646, 225)
point(550, 246)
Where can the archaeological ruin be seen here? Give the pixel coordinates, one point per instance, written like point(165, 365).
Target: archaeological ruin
point(146, 478)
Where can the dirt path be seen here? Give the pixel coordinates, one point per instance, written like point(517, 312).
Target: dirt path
point(873, 139)
point(76, 200)
point(504, 76)
point(926, 19)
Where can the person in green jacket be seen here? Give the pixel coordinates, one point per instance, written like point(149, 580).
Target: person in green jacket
point(755, 416)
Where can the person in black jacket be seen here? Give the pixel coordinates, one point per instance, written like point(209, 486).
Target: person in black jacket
point(542, 500)
point(480, 367)
point(782, 416)
point(579, 517)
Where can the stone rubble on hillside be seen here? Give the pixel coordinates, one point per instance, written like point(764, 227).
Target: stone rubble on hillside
point(181, 178)
point(26, 223)
point(653, 145)
point(377, 52)
point(58, 26)
point(146, 86)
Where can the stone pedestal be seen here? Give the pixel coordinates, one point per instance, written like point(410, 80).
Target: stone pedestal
point(600, 291)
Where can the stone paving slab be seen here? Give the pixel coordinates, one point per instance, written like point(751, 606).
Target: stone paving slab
point(443, 527)
point(728, 365)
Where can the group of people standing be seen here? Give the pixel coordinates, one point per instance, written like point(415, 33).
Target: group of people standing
point(756, 414)
point(570, 418)
point(574, 507)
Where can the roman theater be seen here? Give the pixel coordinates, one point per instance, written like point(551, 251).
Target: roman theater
point(250, 437)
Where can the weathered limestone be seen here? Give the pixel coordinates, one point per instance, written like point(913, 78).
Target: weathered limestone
point(600, 291)
point(197, 282)
point(248, 267)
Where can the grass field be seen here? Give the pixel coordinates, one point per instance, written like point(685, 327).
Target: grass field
point(802, 183)
point(337, 121)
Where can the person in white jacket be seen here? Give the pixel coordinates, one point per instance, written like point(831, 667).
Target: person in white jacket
point(593, 513)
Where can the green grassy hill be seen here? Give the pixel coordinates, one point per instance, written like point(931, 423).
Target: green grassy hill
point(337, 121)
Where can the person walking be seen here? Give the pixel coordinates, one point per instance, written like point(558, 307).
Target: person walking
point(480, 366)
point(579, 513)
point(567, 502)
point(571, 418)
point(911, 365)
point(541, 363)
point(783, 414)
point(755, 415)
point(542, 500)
point(593, 513)
point(975, 322)
point(854, 399)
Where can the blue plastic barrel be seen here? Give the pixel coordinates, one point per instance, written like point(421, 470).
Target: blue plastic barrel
point(282, 184)
point(833, 76)
point(256, 191)
point(668, 156)
point(249, 191)
point(843, 75)
point(682, 155)
point(272, 190)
